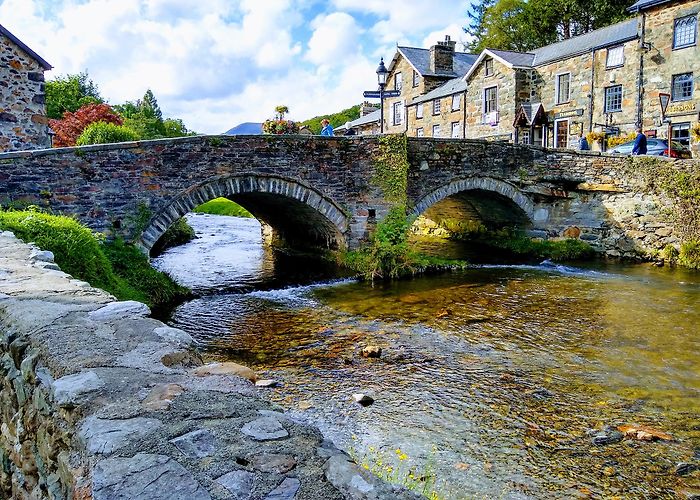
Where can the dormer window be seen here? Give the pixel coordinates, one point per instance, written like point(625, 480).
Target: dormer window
point(488, 67)
point(684, 31)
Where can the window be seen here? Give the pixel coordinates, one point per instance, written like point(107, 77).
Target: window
point(684, 31)
point(613, 99)
point(525, 137)
point(419, 111)
point(436, 130)
point(455, 130)
point(616, 57)
point(562, 85)
point(398, 81)
point(682, 87)
point(680, 132)
point(397, 112)
point(456, 99)
point(491, 100)
point(436, 106)
point(416, 78)
point(419, 132)
point(488, 67)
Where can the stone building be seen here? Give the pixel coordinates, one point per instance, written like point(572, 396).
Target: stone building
point(608, 81)
point(23, 121)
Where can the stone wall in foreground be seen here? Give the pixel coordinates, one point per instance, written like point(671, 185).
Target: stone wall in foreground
point(99, 401)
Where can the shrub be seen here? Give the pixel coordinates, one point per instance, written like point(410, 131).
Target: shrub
point(616, 140)
point(106, 133)
point(177, 234)
point(689, 255)
point(223, 206)
point(522, 245)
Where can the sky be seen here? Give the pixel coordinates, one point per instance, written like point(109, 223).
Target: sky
point(218, 63)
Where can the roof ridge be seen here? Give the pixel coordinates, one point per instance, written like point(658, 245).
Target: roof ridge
point(626, 21)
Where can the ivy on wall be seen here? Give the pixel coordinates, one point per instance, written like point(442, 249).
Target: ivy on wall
point(391, 168)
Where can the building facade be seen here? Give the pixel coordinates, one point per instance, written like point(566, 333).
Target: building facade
point(23, 121)
point(607, 81)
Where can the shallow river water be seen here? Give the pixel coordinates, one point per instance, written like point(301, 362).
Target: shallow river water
point(493, 381)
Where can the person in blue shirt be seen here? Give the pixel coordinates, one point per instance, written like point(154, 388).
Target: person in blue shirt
point(640, 143)
point(327, 129)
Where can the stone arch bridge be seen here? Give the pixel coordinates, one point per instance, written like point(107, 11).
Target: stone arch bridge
point(322, 192)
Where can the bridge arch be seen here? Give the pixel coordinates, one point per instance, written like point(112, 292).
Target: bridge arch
point(494, 202)
point(297, 213)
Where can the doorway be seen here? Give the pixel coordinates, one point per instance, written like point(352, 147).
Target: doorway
point(561, 133)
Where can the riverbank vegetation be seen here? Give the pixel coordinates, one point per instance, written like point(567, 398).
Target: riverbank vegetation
point(177, 234)
point(117, 267)
point(223, 206)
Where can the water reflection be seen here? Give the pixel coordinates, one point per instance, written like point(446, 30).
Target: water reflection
point(495, 376)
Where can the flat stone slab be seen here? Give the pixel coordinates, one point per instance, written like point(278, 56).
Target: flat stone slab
point(287, 490)
point(239, 483)
point(174, 335)
point(196, 444)
point(105, 436)
point(265, 429)
point(144, 477)
point(73, 389)
point(120, 310)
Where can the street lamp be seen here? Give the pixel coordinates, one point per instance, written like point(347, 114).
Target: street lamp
point(382, 73)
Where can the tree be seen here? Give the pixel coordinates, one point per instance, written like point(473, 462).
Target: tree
point(336, 119)
point(523, 25)
point(70, 93)
point(105, 133)
point(149, 106)
point(146, 118)
point(69, 128)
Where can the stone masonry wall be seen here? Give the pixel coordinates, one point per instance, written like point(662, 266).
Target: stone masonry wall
point(23, 121)
point(503, 78)
point(99, 401)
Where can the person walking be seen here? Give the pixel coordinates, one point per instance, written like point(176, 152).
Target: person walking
point(640, 143)
point(583, 143)
point(327, 128)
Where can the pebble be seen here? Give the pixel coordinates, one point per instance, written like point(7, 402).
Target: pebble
point(266, 383)
point(685, 468)
point(605, 438)
point(362, 399)
point(371, 351)
point(265, 429)
point(287, 490)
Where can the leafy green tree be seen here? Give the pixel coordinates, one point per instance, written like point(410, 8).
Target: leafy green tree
point(70, 93)
point(523, 25)
point(145, 117)
point(336, 119)
point(149, 106)
point(106, 133)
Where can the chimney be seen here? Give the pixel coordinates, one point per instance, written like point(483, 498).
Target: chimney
point(366, 108)
point(442, 55)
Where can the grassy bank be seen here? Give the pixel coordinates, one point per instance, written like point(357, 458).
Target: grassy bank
point(223, 206)
point(521, 245)
point(116, 267)
point(177, 234)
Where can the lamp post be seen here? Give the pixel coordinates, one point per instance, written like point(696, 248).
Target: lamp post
point(382, 73)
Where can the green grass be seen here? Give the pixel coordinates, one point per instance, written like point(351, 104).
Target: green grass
point(521, 245)
point(223, 206)
point(689, 255)
point(116, 267)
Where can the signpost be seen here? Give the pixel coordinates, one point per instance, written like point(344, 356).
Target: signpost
point(377, 94)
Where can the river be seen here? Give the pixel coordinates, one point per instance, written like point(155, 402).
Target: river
point(493, 381)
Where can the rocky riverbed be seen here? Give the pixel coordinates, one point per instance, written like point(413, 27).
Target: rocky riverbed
point(98, 400)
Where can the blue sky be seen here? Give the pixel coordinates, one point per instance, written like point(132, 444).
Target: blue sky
point(217, 63)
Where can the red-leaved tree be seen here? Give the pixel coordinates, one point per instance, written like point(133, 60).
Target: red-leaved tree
point(69, 128)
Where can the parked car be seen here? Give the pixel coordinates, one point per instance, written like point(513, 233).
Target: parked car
point(655, 147)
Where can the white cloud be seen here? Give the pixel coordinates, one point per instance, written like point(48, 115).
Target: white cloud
point(216, 63)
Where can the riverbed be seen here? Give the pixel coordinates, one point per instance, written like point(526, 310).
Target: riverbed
point(494, 382)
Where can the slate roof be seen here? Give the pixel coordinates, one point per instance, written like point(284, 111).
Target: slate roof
point(420, 60)
point(518, 59)
point(529, 110)
point(24, 47)
point(645, 4)
point(603, 37)
point(454, 86)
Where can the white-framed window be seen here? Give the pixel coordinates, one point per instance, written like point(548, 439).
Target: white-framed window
point(416, 78)
point(615, 57)
point(685, 31)
point(682, 87)
point(490, 100)
point(419, 132)
point(397, 113)
point(563, 87)
point(456, 130)
point(680, 132)
point(419, 111)
point(398, 81)
point(436, 106)
point(488, 67)
point(525, 137)
point(613, 99)
point(456, 101)
point(436, 130)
